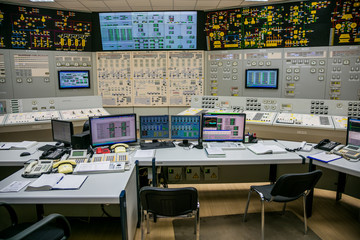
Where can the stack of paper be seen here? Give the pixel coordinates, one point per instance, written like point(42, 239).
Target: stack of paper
point(260, 148)
point(215, 152)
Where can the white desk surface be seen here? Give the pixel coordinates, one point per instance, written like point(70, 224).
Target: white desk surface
point(340, 165)
point(97, 189)
point(180, 156)
point(12, 157)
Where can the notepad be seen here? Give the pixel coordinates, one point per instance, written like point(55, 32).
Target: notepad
point(324, 157)
point(55, 181)
point(215, 152)
point(260, 148)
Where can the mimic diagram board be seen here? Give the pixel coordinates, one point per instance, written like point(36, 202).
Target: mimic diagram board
point(345, 21)
point(44, 29)
point(159, 78)
point(281, 25)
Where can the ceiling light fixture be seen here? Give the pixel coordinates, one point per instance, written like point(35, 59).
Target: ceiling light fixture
point(42, 0)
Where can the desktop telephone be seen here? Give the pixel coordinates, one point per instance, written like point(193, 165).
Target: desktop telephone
point(120, 147)
point(65, 166)
point(53, 153)
point(348, 151)
point(326, 145)
point(35, 168)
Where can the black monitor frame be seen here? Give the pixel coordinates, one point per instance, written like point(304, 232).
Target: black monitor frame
point(94, 118)
point(357, 119)
point(222, 140)
point(153, 139)
point(75, 87)
point(67, 124)
point(262, 86)
point(185, 142)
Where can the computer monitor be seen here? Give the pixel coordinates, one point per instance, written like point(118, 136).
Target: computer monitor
point(70, 79)
point(112, 129)
point(154, 127)
point(353, 131)
point(223, 127)
point(62, 131)
point(262, 78)
point(185, 127)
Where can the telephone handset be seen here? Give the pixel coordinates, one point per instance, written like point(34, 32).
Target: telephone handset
point(326, 145)
point(65, 166)
point(37, 167)
point(120, 147)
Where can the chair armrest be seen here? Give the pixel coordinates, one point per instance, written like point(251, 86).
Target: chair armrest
point(12, 213)
point(48, 219)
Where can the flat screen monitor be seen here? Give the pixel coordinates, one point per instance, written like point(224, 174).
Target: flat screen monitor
point(185, 127)
point(62, 131)
point(353, 131)
point(223, 127)
point(154, 127)
point(166, 30)
point(262, 78)
point(112, 129)
point(70, 79)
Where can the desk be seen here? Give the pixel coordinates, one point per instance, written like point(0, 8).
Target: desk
point(109, 188)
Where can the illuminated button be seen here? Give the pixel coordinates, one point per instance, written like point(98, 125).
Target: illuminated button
point(58, 64)
point(288, 70)
point(2, 80)
point(296, 78)
point(296, 70)
point(253, 63)
point(322, 62)
point(46, 80)
point(261, 63)
point(321, 78)
point(288, 78)
point(346, 62)
point(29, 80)
point(67, 64)
point(321, 70)
point(268, 63)
point(235, 63)
point(313, 62)
point(313, 70)
point(220, 64)
point(19, 80)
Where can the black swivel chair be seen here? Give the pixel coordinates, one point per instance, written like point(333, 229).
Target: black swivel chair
point(288, 187)
point(169, 202)
point(52, 227)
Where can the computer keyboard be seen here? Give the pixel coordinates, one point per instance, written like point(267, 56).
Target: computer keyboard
point(156, 145)
point(227, 145)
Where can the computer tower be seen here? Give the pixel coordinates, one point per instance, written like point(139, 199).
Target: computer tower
point(81, 140)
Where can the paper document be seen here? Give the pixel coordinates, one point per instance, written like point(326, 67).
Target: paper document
point(260, 148)
point(324, 157)
point(15, 186)
point(17, 145)
point(215, 152)
point(144, 154)
point(56, 181)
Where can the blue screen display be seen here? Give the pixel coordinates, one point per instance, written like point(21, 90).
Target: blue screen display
point(154, 127)
point(185, 127)
point(262, 78)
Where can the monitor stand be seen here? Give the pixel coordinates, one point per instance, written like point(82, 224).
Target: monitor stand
point(185, 143)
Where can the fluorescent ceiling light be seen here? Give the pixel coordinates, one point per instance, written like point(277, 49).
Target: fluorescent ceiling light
point(42, 0)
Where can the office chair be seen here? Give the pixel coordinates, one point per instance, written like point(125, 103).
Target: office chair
point(169, 202)
point(288, 187)
point(52, 227)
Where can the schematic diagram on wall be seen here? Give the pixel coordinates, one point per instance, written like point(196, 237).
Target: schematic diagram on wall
point(43, 29)
point(150, 78)
point(185, 76)
point(114, 82)
point(345, 20)
point(281, 25)
point(2, 29)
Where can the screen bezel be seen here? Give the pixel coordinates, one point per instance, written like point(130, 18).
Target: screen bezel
point(152, 138)
point(111, 116)
point(194, 116)
point(347, 129)
point(263, 69)
point(220, 140)
point(70, 124)
point(76, 87)
point(200, 39)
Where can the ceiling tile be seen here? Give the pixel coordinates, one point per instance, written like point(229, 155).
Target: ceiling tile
point(161, 3)
point(93, 4)
point(190, 4)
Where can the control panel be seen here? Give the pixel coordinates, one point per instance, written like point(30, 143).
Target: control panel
point(344, 73)
point(260, 117)
point(304, 120)
point(31, 117)
point(304, 72)
point(224, 73)
point(307, 106)
point(82, 113)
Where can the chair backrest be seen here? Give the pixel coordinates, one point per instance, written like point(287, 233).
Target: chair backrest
point(169, 202)
point(293, 185)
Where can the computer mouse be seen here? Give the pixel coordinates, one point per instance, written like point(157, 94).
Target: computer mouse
point(23, 154)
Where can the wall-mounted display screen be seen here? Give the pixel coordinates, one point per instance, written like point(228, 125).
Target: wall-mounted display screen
point(262, 78)
point(69, 79)
point(148, 30)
